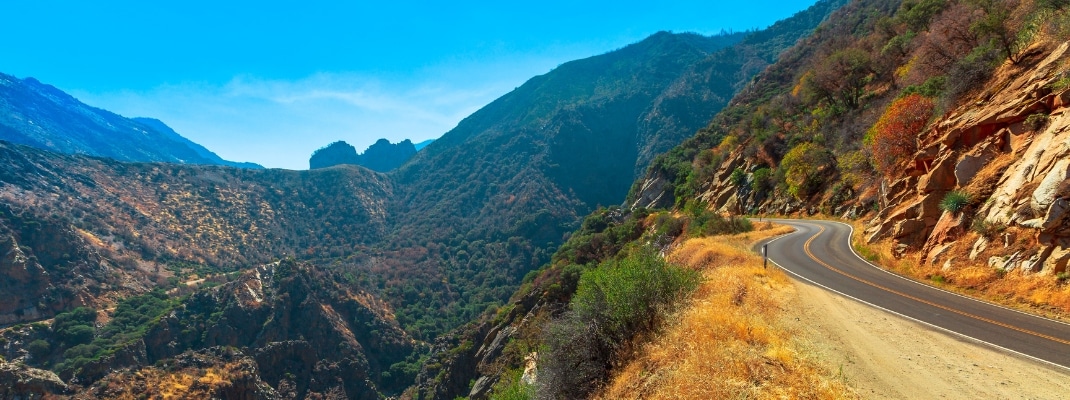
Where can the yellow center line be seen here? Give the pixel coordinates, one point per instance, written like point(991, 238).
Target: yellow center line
point(806, 248)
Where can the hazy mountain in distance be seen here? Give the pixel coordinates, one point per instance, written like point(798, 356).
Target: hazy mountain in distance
point(161, 127)
point(39, 115)
point(423, 144)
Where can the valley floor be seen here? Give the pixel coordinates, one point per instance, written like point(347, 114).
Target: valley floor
point(883, 356)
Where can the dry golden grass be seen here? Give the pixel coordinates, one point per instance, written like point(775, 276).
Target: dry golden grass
point(187, 383)
point(732, 341)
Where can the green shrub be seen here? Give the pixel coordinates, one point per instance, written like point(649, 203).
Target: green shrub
point(39, 349)
point(708, 223)
point(75, 335)
point(954, 201)
point(77, 316)
point(1062, 83)
point(1036, 121)
point(932, 87)
point(806, 167)
point(512, 387)
point(737, 177)
point(614, 302)
point(762, 182)
point(625, 294)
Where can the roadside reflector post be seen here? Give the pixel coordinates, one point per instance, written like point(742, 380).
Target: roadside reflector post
point(765, 255)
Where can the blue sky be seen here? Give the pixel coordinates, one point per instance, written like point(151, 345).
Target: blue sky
point(270, 82)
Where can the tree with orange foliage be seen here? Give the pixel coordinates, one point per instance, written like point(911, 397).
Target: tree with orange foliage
point(894, 137)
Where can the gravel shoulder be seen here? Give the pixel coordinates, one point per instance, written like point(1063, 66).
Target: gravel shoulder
point(885, 356)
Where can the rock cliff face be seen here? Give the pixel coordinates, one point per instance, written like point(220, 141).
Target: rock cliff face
point(1009, 150)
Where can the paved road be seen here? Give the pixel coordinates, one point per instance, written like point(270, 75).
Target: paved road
point(820, 252)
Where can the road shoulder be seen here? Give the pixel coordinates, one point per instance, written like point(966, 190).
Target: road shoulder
point(884, 356)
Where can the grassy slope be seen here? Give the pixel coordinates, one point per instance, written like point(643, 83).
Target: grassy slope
point(732, 332)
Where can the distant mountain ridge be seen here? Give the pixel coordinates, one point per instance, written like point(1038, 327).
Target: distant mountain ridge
point(161, 127)
point(423, 144)
point(39, 115)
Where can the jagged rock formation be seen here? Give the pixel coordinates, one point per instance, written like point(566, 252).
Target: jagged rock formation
point(1010, 150)
point(336, 153)
point(39, 115)
point(382, 156)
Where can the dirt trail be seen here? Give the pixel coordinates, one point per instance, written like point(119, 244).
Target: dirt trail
point(884, 356)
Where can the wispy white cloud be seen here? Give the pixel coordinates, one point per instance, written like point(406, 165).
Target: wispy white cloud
point(278, 123)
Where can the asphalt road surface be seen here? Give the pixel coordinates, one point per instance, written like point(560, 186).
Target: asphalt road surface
point(819, 252)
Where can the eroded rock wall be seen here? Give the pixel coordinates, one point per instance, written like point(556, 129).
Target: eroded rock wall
point(1009, 149)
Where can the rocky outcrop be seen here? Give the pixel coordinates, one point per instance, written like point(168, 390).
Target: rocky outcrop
point(469, 362)
point(336, 153)
point(1019, 119)
point(22, 382)
point(217, 372)
point(652, 194)
point(382, 156)
point(45, 267)
point(293, 328)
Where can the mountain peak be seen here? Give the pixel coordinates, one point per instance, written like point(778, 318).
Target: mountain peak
point(40, 115)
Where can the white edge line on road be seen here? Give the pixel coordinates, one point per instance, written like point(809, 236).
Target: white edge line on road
point(1043, 361)
point(851, 245)
point(850, 237)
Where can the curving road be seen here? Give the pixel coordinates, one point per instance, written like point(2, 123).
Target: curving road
point(820, 252)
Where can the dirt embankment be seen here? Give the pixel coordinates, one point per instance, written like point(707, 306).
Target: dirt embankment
point(884, 356)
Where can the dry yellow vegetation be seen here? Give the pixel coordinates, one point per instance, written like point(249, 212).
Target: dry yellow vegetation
point(733, 340)
point(1036, 293)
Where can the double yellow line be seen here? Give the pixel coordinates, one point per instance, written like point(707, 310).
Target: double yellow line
point(806, 248)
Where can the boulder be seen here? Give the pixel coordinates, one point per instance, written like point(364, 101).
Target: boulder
point(1056, 261)
point(942, 175)
point(1061, 100)
point(934, 255)
point(978, 247)
point(947, 264)
point(910, 232)
point(1005, 263)
point(1032, 264)
point(948, 228)
point(22, 382)
point(1056, 215)
point(971, 163)
point(488, 353)
point(481, 388)
point(1048, 190)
